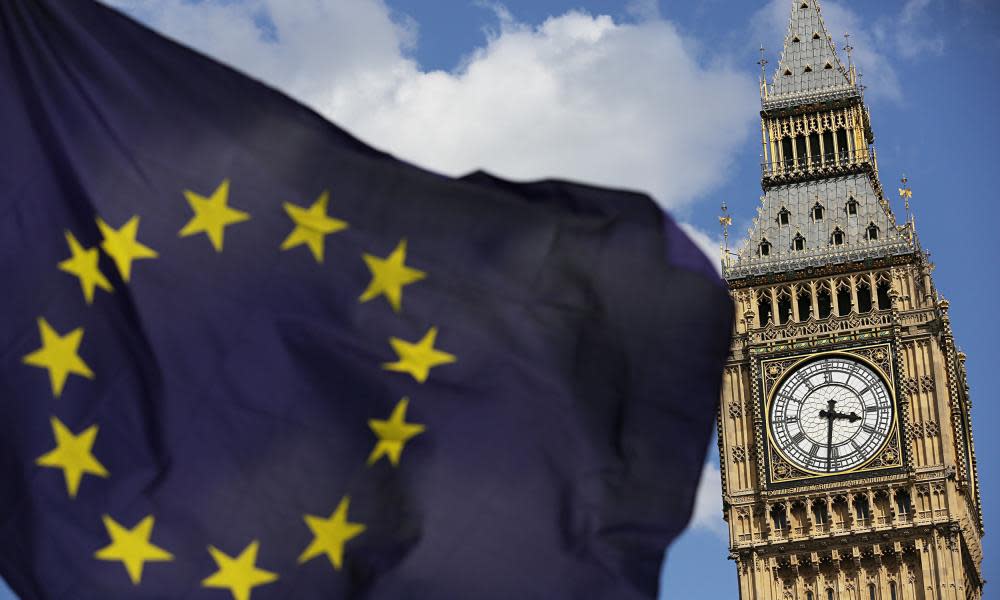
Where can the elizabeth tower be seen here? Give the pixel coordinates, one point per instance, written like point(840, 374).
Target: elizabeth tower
point(844, 435)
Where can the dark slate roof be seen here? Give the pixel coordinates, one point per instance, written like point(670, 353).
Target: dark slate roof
point(833, 194)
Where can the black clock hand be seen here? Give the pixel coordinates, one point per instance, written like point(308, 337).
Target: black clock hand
point(829, 415)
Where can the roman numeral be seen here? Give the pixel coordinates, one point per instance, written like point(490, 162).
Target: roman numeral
point(869, 428)
point(834, 453)
point(814, 451)
point(798, 437)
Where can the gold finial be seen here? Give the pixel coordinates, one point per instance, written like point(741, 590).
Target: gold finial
point(906, 193)
point(725, 220)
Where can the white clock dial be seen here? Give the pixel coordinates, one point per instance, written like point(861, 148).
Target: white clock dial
point(831, 415)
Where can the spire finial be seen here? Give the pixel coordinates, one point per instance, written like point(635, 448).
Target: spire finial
point(848, 48)
point(725, 220)
point(763, 73)
point(906, 193)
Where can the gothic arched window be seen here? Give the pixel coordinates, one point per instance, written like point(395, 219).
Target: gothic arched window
point(862, 511)
point(817, 212)
point(799, 242)
point(872, 232)
point(871, 592)
point(837, 238)
point(902, 503)
point(764, 249)
point(852, 206)
point(824, 302)
point(783, 216)
point(779, 518)
point(764, 307)
point(820, 513)
point(864, 294)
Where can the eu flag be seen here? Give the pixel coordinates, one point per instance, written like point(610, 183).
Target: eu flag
point(244, 355)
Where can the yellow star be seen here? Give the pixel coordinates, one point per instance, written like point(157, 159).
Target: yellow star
point(132, 546)
point(312, 225)
point(72, 455)
point(418, 359)
point(212, 215)
point(58, 355)
point(389, 275)
point(122, 247)
point(240, 574)
point(83, 264)
point(393, 434)
point(331, 534)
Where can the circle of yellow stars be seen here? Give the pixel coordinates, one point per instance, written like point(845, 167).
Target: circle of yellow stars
point(59, 355)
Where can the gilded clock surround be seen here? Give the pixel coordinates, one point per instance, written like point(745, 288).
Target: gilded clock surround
point(772, 372)
point(827, 270)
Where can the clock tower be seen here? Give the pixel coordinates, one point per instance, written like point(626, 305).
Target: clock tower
point(847, 459)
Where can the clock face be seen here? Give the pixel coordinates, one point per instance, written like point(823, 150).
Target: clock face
point(831, 415)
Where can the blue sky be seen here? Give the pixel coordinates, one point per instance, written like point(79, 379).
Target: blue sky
point(656, 96)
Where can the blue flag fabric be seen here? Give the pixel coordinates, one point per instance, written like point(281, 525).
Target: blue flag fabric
point(245, 355)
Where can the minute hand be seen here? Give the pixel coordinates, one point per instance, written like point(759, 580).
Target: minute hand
point(830, 415)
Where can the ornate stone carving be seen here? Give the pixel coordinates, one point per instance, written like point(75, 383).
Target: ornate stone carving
point(878, 355)
point(908, 386)
point(922, 429)
point(926, 383)
point(735, 409)
point(739, 454)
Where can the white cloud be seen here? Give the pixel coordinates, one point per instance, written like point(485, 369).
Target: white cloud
point(705, 243)
point(708, 502)
point(579, 96)
point(910, 39)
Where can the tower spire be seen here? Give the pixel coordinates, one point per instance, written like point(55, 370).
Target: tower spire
point(809, 63)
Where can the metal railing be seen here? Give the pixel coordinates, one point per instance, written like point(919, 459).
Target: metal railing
point(831, 324)
point(756, 265)
point(810, 164)
point(823, 94)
